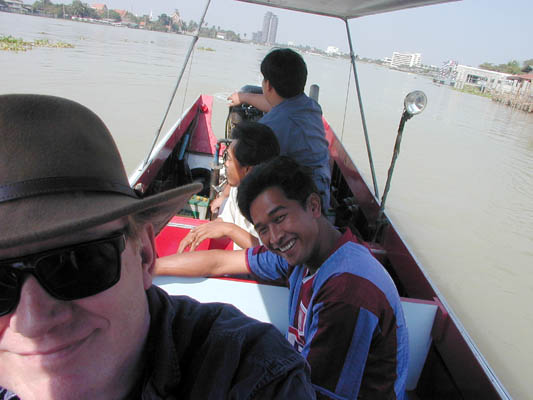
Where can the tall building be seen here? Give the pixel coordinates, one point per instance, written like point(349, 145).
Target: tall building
point(406, 59)
point(270, 28)
point(273, 29)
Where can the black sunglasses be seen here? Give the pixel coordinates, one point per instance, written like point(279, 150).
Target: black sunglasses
point(66, 273)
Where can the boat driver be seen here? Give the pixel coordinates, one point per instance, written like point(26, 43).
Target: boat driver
point(79, 316)
point(295, 118)
point(345, 315)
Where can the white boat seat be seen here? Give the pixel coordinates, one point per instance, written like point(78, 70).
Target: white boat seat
point(269, 304)
point(419, 318)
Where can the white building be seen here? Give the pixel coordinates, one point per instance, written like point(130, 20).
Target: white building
point(333, 51)
point(482, 78)
point(406, 59)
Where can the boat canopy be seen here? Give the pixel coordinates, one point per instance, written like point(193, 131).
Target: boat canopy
point(345, 9)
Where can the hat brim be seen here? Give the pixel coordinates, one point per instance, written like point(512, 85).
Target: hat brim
point(40, 218)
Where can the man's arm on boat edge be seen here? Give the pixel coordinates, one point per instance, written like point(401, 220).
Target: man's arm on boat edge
point(217, 229)
point(259, 101)
point(203, 263)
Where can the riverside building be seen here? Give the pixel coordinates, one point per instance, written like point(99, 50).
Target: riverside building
point(406, 59)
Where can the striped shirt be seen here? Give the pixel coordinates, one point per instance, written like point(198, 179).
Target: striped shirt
point(346, 320)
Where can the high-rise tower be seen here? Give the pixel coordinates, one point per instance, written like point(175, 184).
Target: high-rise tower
point(270, 28)
point(273, 29)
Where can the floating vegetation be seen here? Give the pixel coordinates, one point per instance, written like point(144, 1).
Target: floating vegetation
point(13, 44)
point(48, 43)
point(206, 49)
point(9, 43)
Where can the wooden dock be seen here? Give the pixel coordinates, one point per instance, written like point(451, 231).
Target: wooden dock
point(520, 96)
point(511, 100)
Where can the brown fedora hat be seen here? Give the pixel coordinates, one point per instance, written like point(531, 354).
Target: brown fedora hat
point(61, 172)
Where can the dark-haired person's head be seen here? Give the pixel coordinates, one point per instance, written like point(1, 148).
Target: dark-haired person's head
point(253, 143)
point(293, 179)
point(286, 71)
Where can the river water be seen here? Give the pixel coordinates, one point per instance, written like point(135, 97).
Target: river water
point(462, 193)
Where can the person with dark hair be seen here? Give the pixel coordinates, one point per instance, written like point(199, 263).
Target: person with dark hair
point(286, 71)
point(79, 316)
point(252, 143)
point(295, 118)
point(345, 315)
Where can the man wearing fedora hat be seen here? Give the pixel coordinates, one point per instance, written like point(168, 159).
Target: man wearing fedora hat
point(79, 317)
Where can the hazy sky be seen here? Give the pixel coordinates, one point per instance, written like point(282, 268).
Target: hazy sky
point(469, 31)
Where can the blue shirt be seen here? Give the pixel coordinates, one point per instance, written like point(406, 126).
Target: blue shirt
point(346, 319)
point(297, 123)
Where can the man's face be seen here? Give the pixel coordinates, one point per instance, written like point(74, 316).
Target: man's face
point(285, 227)
point(86, 348)
point(234, 171)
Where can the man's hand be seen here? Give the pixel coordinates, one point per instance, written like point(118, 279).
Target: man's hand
point(216, 203)
point(257, 100)
point(234, 99)
point(210, 230)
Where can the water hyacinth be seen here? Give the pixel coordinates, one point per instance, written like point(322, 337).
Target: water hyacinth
point(10, 43)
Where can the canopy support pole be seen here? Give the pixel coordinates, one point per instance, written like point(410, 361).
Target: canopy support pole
point(180, 76)
point(363, 120)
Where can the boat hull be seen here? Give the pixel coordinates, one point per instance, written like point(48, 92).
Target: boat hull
point(454, 367)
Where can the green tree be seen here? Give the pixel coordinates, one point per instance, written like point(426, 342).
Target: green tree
point(192, 26)
point(488, 66)
point(131, 18)
point(512, 67)
point(115, 16)
point(164, 19)
point(46, 7)
point(234, 37)
point(82, 10)
point(527, 66)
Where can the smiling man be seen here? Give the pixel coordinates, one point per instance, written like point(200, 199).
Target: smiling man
point(79, 317)
point(345, 315)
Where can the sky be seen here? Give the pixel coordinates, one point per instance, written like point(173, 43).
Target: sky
point(469, 31)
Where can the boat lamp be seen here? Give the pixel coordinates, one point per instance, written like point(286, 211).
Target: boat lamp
point(413, 104)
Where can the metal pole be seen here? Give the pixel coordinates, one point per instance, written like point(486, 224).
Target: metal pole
point(367, 140)
point(313, 92)
point(184, 66)
point(395, 153)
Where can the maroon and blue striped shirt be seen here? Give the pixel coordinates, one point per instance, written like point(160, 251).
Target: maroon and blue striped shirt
point(346, 319)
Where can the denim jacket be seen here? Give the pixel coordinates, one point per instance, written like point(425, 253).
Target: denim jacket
point(213, 351)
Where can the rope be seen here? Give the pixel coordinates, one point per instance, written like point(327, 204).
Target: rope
point(187, 82)
point(187, 57)
point(346, 101)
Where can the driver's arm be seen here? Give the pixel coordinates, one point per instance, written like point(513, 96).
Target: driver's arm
point(254, 99)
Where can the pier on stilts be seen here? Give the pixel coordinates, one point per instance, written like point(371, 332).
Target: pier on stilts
point(520, 95)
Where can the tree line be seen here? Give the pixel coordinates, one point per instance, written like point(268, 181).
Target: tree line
point(512, 67)
point(163, 22)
